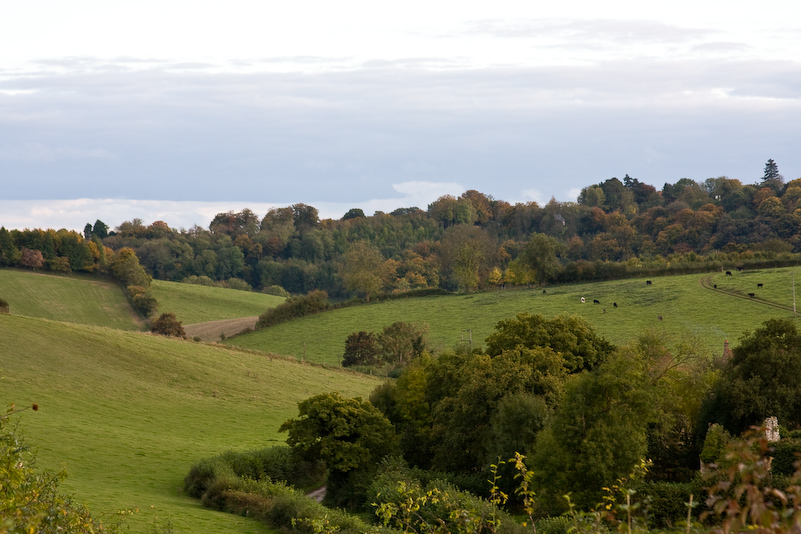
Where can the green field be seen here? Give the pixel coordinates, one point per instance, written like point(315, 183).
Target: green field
point(73, 298)
point(128, 413)
point(685, 305)
point(196, 304)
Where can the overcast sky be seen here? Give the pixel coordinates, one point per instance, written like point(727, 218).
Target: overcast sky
point(177, 110)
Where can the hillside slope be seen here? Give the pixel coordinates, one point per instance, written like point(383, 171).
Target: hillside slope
point(193, 303)
point(79, 299)
point(676, 305)
point(128, 413)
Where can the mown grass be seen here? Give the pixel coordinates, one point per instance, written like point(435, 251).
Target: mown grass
point(686, 308)
point(193, 303)
point(73, 298)
point(128, 413)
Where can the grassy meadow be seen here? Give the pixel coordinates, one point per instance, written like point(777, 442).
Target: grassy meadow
point(684, 303)
point(126, 414)
point(72, 298)
point(193, 303)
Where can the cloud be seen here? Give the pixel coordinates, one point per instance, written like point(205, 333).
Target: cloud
point(352, 136)
point(620, 32)
point(73, 214)
point(40, 152)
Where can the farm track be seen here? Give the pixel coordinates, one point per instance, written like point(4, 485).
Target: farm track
point(706, 282)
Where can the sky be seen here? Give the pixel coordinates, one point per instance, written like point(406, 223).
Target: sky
point(176, 110)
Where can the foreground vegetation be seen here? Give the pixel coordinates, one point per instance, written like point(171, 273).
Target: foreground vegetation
point(127, 413)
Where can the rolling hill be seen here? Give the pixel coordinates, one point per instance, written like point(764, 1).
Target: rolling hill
point(72, 298)
point(126, 413)
point(676, 305)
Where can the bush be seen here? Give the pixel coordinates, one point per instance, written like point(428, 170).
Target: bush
point(668, 502)
point(168, 325)
point(238, 283)
point(4, 306)
point(199, 280)
point(142, 300)
point(60, 265)
point(294, 308)
point(276, 290)
point(555, 525)
point(785, 455)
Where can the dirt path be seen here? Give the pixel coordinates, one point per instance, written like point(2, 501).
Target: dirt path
point(706, 282)
point(317, 494)
point(212, 330)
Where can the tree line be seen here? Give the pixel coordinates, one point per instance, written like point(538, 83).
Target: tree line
point(615, 228)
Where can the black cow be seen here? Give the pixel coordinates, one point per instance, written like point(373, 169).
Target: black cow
point(543, 291)
point(759, 285)
point(614, 304)
point(715, 286)
point(648, 282)
point(596, 301)
point(751, 295)
point(728, 273)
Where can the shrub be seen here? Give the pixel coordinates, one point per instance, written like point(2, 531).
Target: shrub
point(786, 453)
point(238, 283)
point(168, 325)
point(276, 290)
point(294, 308)
point(60, 265)
point(199, 280)
point(555, 525)
point(142, 300)
point(667, 502)
point(4, 306)
point(32, 259)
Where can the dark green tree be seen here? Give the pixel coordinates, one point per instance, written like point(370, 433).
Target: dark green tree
point(598, 434)
point(350, 435)
point(361, 348)
point(571, 336)
point(100, 229)
point(353, 213)
point(761, 380)
point(9, 253)
point(541, 255)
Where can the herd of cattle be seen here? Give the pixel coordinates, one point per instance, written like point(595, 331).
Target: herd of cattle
point(649, 282)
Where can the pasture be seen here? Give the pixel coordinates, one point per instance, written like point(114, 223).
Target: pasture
point(193, 303)
point(72, 298)
point(687, 305)
point(126, 414)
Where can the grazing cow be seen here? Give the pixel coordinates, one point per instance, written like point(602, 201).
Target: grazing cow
point(582, 300)
point(660, 317)
point(715, 286)
point(648, 282)
point(759, 285)
point(614, 304)
point(543, 291)
point(728, 273)
point(596, 301)
point(739, 268)
point(751, 295)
